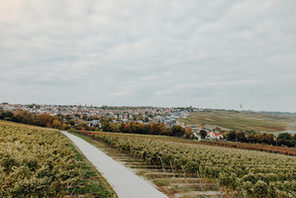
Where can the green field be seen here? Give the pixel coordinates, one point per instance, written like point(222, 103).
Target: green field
point(228, 120)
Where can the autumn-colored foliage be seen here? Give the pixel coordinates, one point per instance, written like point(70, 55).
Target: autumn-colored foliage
point(35, 162)
point(25, 117)
point(261, 174)
point(257, 147)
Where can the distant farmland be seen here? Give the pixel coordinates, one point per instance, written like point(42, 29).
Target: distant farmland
point(266, 122)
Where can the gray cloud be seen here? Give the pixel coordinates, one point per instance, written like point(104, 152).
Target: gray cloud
point(163, 53)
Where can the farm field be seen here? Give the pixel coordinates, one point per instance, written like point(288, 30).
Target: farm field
point(260, 174)
point(235, 145)
point(173, 184)
point(234, 120)
point(40, 162)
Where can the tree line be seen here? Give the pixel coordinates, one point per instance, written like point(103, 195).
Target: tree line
point(25, 117)
point(283, 139)
point(148, 129)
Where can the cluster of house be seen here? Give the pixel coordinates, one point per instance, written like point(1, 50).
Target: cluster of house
point(214, 135)
point(211, 134)
point(168, 116)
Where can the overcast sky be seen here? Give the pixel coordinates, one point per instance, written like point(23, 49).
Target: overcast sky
point(158, 52)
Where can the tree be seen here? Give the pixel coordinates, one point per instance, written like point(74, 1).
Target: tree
point(147, 129)
point(157, 129)
point(65, 126)
point(24, 117)
point(267, 138)
point(177, 131)
point(114, 127)
point(124, 128)
point(44, 120)
point(203, 134)
point(6, 115)
point(231, 136)
point(189, 133)
point(57, 124)
point(241, 137)
point(106, 126)
point(252, 138)
point(286, 136)
point(286, 139)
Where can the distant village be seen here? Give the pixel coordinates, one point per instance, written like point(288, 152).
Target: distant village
point(92, 115)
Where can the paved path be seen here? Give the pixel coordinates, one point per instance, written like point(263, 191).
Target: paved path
point(125, 183)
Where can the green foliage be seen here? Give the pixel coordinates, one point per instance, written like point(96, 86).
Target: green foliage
point(152, 128)
point(260, 174)
point(177, 131)
point(286, 139)
point(203, 134)
point(241, 137)
point(106, 125)
point(231, 136)
point(260, 188)
point(34, 162)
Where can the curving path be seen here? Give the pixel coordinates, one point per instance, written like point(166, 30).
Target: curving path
point(125, 183)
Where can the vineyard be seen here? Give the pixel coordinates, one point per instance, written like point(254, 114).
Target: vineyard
point(236, 145)
point(257, 147)
point(39, 162)
point(260, 174)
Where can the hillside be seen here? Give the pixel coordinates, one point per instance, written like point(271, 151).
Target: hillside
point(172, 165)
point(41, 162)
point(245, 120)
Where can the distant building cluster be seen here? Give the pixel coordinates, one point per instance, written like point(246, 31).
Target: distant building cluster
point(92, 116)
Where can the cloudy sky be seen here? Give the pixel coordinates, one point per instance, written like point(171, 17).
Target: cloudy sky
point(158, 52)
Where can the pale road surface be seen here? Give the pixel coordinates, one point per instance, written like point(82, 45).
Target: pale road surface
point(124, 182)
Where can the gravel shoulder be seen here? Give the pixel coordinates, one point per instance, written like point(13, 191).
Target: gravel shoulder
point(124, 182)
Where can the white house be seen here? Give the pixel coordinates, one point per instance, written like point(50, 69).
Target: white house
point(214, 135)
